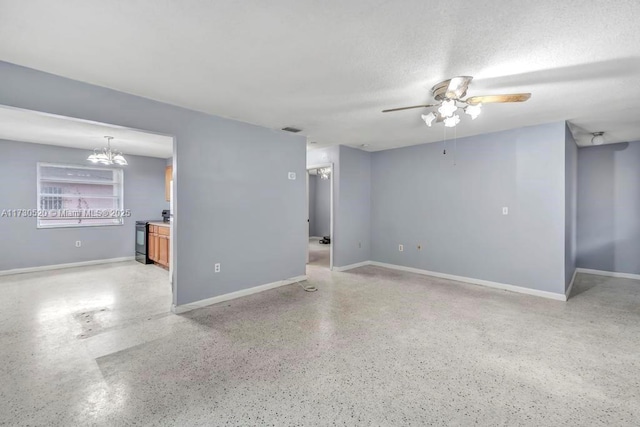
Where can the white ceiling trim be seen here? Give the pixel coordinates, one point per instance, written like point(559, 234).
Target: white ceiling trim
point(43, 128)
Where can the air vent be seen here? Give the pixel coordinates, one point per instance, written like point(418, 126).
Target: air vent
point(290, 129)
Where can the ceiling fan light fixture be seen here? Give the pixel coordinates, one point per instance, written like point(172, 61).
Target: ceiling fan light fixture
point(597, 138)
point(452, 121)
point(447, 108)
point(473, 110)
point(429, 118)
point(448, 96)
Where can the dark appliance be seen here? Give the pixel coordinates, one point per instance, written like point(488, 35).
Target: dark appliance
point(166, 215)
point(141, 241)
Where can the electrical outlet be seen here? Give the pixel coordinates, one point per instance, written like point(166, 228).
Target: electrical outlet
point(505, 210)
point(292, 176)
point(401, 248)
point(78, 243)
point(216, 268)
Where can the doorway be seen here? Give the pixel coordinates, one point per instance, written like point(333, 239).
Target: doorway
point(320, 215)
point(95, 186)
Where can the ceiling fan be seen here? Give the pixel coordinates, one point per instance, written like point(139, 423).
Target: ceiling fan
point(449, 94)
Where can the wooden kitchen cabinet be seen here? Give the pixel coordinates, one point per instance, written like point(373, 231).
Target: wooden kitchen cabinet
point(163, 250)
point(159, 244)
point(168, 176)
point(153, 243)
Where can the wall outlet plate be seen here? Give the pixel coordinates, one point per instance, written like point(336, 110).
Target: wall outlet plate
point(216, 268)
point(78, 243)
point(505, 210)
point(292, 175)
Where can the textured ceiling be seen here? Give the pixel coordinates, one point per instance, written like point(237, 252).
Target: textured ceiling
point(330, 67)
point(29, 126)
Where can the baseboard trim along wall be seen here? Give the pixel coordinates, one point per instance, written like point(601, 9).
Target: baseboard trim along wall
point(61, 266)
point(487, 283)
point(352, 266)
point(183, 308)
point(609, 273)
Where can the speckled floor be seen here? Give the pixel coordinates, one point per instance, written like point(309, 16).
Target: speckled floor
point(319, 254)
point(97, 346)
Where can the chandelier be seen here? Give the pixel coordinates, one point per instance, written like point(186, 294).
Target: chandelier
point(106, 156)
point(324, 173)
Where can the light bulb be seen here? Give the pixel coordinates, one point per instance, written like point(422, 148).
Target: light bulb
point(447, 108)
point(597, 138)
point(120, 160)
point(473, 110)
point(452, 121)
point(429, 118)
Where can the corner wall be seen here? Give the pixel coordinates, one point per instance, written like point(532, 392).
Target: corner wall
point(571, 202)
point(609, 207)
point(319, 206)
point(230, 177)
point(352, 202)
point(452, 204)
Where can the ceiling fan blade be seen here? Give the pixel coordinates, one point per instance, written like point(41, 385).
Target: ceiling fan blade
point(487, 99)
point(457, 87)
point(407, 108)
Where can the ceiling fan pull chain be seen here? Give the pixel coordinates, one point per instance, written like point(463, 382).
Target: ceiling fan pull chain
point(444, 140)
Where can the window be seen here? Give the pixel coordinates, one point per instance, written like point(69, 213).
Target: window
point(79, 196)
point(50, 202)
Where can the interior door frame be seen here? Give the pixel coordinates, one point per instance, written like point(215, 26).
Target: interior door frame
point(331, 205)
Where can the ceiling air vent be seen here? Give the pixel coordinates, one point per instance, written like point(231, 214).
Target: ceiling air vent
point(290, 129)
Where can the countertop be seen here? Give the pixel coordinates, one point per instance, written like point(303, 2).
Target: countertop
point(161, 224)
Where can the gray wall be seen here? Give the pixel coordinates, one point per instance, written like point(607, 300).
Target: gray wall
point(571, 206)
point(609, 207)
point(312, 204)
point(231, 182)
point(352, 202)
point(321, 217)
point(353, 225)
point(419, 196)
point(26, 246)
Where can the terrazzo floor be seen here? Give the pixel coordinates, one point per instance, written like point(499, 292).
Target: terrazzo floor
point(319, 254)
point(98, 346)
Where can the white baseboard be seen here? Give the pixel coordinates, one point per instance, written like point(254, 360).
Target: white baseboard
point(352, 266)
point(609, 273)
point(183, 308)
point(573, 279)
point(487, 283)
point(61, 266)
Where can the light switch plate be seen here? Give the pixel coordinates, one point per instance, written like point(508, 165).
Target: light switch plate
point(505, 210)
point(292, 175)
